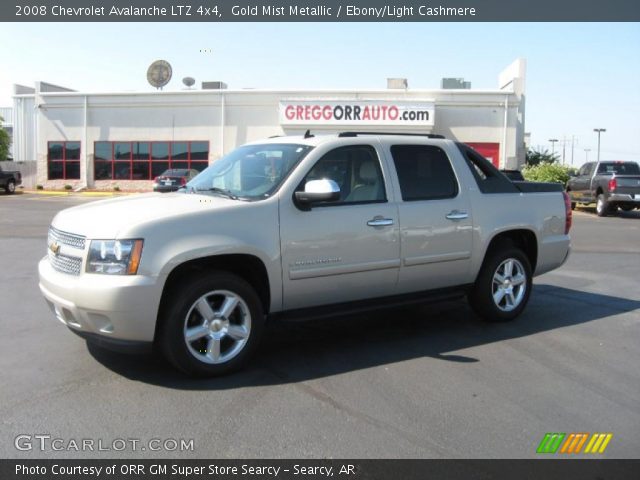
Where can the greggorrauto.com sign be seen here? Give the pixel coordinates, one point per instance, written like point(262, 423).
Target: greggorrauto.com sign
point(360, 112)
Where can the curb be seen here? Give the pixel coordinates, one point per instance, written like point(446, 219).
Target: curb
point(77, 194)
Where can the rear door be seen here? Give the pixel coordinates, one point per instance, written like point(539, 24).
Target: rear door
point(435, 219)
point(345, 250)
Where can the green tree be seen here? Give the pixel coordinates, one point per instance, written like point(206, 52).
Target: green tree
point(5, 142)
point(536, 157)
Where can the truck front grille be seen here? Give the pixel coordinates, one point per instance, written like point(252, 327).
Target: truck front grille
point(65, 263)
point(65, 238)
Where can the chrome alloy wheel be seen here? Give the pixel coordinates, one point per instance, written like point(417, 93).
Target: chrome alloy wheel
point(600, 205)
point(217, 327)
point(509, 285)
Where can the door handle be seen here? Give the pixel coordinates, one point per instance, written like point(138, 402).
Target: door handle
point(457, 215)
point(380, 222)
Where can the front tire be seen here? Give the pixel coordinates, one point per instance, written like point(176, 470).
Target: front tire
point(503, 286)
point(573, 204)
point(11, 187)
point(212, 324)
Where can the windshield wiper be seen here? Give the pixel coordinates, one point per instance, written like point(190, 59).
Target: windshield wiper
point(223, 191)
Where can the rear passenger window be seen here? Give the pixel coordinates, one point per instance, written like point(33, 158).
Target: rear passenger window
point(424, 172)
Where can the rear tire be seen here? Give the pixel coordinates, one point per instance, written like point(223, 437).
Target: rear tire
point(11, 187)
point(602, 206)
point(503, 286)
point(211, 325)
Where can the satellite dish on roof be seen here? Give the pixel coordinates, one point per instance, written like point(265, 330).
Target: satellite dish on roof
point(189, 81)
point(159, 73)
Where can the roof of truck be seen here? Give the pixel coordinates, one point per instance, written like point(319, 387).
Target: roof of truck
point(315, 140)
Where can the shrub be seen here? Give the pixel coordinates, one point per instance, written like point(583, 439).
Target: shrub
point(547, 172)
point(39, 187)
point(68, 187)
point(116, 188)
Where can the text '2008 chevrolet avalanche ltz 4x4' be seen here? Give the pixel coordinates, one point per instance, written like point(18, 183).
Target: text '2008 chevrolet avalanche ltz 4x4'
point(304, 227)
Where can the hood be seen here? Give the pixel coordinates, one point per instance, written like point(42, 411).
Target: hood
point(108, 218)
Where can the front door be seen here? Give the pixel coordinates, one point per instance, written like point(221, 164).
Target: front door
point(344, 250)
point(581, 184)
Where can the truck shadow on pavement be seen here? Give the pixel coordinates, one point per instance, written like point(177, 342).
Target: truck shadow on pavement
point(633, 214)
point(294, 352)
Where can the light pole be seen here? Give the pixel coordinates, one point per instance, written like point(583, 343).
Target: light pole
point(553, 145)
point(599, 131)
point(586, 153)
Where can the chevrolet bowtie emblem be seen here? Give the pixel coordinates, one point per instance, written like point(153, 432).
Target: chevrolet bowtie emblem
point(55, 248)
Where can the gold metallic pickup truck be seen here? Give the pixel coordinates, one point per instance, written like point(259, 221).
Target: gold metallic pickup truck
point(305, 226)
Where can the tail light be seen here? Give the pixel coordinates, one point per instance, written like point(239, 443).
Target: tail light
point(613, 184)
point(183, 181)
point(567, 213)
point(157, 179)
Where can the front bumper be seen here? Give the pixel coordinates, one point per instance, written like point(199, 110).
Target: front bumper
point(121, 308)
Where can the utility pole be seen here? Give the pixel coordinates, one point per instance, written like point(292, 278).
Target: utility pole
point(553, 145)
point(586, 154)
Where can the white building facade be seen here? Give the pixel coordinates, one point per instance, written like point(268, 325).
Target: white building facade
point(104, 140)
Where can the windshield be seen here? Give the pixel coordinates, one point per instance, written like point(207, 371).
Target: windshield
point(619, 168)
point(250, 172)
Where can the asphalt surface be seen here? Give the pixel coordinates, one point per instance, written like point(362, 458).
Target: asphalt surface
point(428, 382)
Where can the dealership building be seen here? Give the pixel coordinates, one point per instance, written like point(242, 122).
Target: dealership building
point(103, 140)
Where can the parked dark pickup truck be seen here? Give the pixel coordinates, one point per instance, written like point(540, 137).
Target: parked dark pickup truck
point(609, 184)
point(9, 180)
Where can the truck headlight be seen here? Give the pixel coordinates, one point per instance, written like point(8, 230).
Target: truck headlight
point(114, 257)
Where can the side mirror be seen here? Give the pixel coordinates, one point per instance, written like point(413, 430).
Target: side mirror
point(324, 190)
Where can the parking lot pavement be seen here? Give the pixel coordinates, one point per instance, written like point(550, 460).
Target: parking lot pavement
point(429, 382)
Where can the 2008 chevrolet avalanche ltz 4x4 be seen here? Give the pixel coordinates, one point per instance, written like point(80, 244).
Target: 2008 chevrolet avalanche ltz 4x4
point(299, 226)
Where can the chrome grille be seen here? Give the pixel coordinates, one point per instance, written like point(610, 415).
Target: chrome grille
point(64, 238)
point(65, 263)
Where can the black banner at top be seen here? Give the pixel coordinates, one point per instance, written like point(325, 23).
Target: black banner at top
point(319, 11)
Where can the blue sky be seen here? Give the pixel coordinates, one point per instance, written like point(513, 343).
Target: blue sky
point(579, 75)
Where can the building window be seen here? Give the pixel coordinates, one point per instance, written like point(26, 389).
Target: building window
point(63, 160)
point(147, 160)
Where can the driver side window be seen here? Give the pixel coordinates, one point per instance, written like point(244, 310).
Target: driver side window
point(584, 170)
point(356, 170)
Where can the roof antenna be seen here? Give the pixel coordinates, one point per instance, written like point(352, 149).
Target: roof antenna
point(307, 134)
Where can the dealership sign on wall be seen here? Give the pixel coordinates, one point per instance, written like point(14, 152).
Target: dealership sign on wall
point(359, 112)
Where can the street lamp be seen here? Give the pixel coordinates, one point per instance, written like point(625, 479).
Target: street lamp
point(599, 131)
point(553, 145)
point(586, 153)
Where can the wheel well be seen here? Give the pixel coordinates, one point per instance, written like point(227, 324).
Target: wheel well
point(599, 191)
point(249, 267)
point(523, 239)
